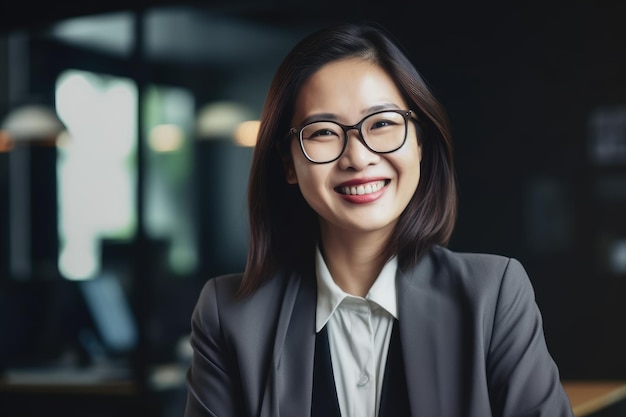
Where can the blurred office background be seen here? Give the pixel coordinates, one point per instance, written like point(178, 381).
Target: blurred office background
point(126, 137)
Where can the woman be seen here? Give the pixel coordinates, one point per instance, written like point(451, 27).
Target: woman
point(350, 305)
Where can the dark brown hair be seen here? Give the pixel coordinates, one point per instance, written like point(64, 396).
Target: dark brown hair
point(283, 228)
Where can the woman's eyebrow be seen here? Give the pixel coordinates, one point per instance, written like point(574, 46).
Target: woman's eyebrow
point(319, 116)
point(333, 117)
point(379, 107)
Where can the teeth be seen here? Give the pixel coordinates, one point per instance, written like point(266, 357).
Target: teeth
point(363, 189)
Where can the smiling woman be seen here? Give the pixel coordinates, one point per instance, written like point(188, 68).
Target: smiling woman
point(350, 303)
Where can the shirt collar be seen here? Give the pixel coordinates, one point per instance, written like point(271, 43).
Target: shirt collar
point(330, 295)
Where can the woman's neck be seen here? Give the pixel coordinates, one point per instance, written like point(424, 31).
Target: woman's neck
point(354, 259)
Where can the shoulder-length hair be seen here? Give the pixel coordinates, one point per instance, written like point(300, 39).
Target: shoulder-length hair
point(283, 228)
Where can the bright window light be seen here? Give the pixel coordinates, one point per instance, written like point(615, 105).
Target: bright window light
point(96, 167)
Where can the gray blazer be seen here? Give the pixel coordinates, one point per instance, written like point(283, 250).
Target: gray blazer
point(472, 343)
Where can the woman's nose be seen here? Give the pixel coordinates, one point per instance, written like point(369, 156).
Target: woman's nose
point(357, 156)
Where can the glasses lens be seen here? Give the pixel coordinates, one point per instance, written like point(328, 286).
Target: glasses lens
point(322, 141)
point(384, 132)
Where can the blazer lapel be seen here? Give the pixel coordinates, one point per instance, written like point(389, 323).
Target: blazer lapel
point(290, 380)
point(418, 308)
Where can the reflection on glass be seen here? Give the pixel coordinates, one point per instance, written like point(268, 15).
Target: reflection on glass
point(96, 167)
point(169, 123)
point(617, 256)
point(608, 135)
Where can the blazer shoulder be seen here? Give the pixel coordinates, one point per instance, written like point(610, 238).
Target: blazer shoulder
point(485, 261)
point(219, 296)
point(473, 264)
point(476, 272)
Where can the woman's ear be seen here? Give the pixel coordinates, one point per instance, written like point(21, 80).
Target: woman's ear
point(290, 171)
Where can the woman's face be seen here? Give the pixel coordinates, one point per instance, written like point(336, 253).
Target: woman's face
point(346, 91)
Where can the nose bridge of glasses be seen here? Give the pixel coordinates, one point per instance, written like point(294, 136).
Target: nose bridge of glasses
point(358, 132)
point(358, 135)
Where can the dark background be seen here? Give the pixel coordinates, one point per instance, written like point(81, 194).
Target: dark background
point(521, 83)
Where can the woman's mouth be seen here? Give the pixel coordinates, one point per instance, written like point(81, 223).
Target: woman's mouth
point(362, 189)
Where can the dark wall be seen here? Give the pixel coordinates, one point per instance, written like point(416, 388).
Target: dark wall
point(521, 105)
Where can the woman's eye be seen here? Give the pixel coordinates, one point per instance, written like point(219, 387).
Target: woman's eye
point(382, 123)
point(323, 132)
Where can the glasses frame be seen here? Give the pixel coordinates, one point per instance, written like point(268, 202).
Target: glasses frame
point(406, 114)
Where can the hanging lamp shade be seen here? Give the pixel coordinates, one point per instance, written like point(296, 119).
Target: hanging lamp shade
point(219, 120)
point(32, 123)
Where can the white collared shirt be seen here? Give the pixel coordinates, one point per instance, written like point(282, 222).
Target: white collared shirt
point(359, 331)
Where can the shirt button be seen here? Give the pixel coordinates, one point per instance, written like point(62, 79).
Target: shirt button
point(363, 380)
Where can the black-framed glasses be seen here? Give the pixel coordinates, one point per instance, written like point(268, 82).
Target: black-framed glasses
point(324, 141)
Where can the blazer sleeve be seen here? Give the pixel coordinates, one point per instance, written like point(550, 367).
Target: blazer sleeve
point(212, 388)
point(523, 378)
